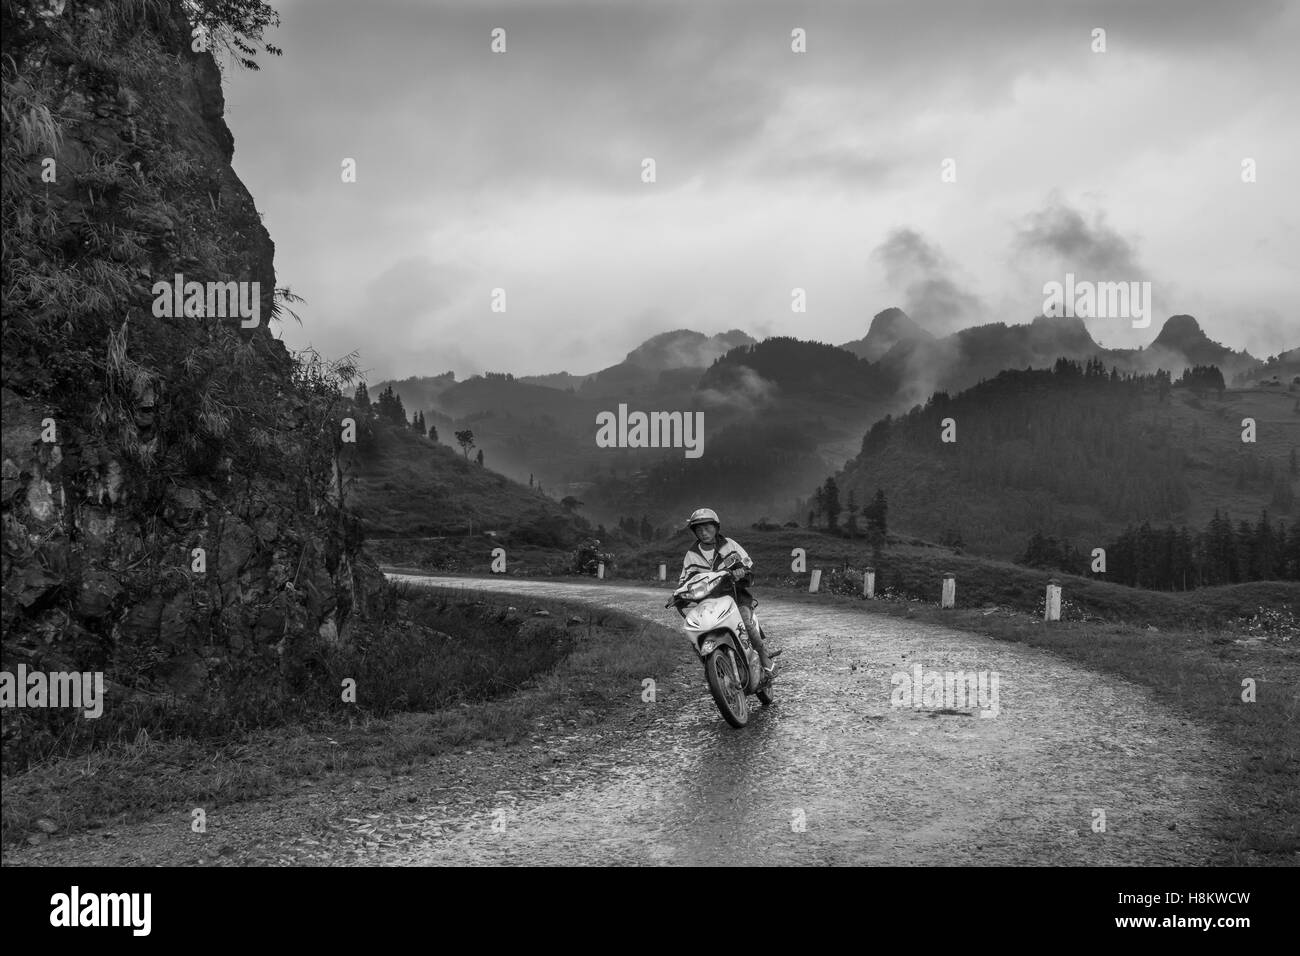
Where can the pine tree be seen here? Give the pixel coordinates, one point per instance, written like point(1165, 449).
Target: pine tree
point(875, 514)
point(389, 407)
point(1283, 496)
point(831, 503)
point(1292, 572)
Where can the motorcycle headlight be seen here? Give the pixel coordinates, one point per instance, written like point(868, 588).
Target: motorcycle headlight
point(700, 590)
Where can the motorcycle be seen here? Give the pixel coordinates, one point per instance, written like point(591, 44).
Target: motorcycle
point(717, 632)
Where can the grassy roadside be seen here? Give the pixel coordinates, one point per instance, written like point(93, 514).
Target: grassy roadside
point(910, 568)
point(606, 654)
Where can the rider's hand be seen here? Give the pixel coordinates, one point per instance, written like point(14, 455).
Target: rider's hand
point(739, 573)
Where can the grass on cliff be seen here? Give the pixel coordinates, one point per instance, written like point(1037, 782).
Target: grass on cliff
point(463, 670)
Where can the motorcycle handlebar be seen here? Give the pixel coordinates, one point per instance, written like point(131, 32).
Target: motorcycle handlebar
point(727, 577)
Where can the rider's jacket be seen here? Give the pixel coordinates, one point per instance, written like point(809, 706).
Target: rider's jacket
point(695, 562)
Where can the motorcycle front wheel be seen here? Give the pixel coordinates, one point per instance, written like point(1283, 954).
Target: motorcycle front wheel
point(724, 685)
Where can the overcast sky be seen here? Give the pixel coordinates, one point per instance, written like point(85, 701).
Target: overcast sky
point(775, 170)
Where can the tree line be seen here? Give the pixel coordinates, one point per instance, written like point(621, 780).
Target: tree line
point(388, 408)
point(1169, 559)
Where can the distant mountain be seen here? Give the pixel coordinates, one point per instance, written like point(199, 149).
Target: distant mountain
point(773, 409)
point(1283, 368)
point(673, 352)
point(557, 380)
point(417, 392)
point(797, 368)
point(919, 367)
point(967, 357)
point(683, 348)
point(888, 328)
point(1182, 339)
point(503, 393)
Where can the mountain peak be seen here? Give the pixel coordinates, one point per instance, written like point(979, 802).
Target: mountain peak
point(1180, 331)
point(888, 328)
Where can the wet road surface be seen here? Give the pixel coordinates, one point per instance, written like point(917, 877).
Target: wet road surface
point(832, 774)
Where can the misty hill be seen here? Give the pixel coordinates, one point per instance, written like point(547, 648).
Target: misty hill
point(1183, 342)
point(402, 485)
point(971, 355)
point(888, 328)
point(663, 368)
point(683, 348)
point(676, 351)
point(964, 358)
point(420, 392)
point(502, 392)
point(1078, 453)
point(1282, 368)
point(795, 367)
point(559, 380)
point(779, 394)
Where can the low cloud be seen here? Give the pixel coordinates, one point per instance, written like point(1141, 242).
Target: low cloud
point(411, 289)
point(744, 389)
point(1094, 251)
point(922, 274)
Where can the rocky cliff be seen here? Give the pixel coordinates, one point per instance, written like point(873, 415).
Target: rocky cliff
point(172, 509)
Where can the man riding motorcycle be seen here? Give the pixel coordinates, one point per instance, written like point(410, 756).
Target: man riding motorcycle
point(711, 548)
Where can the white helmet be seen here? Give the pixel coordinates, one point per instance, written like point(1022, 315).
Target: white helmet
point(703, 516)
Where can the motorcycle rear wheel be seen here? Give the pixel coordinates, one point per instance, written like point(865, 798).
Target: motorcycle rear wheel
point(728, 694)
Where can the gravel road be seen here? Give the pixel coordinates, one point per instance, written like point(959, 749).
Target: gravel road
point(833, 773)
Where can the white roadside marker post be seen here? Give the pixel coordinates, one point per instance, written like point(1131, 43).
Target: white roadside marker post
point(1052, 611)
point(949, 599)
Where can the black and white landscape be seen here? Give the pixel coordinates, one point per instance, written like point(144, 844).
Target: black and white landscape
point(363, 362)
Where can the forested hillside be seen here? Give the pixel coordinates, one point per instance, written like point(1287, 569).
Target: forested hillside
point(1080, 453)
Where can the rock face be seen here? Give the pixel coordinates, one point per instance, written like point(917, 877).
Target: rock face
point(170, 498)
